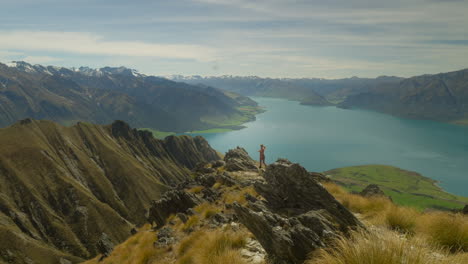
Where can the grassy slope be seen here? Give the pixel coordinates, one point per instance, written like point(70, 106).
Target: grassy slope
point(405, 187)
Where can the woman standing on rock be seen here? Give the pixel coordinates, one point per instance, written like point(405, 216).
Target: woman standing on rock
point(262, 155)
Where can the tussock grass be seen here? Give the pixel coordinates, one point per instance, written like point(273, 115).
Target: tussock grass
point(196, 189)
point(383, 247)
point(212, 247)
point(238, 196)
point(138, 249)
point(445, 229)
point(371, 208)
point(402, 219)
point(207, 210)
point(334, 189)
point(191, 222)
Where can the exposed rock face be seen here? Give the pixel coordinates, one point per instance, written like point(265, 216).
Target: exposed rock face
point(105, 245)
point(173, 202)
point(298, 216)
point(239, 160)
point(320, 177)
point(372, 190)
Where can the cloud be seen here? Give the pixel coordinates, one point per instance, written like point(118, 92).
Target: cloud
point(93, 44)
point(40, 59)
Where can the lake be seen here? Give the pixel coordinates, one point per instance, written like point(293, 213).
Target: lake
point(324, 138)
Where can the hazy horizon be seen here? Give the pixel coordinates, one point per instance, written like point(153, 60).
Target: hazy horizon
point(276, 39)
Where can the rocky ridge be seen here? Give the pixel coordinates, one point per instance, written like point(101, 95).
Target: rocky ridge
point(69, 192)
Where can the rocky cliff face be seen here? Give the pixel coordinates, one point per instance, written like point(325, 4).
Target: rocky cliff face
point(297, 216)
point(62, 188)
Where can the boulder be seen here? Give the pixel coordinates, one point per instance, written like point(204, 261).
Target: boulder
point(210, 194)
point(239, 160)
point(204, 168)
point(227, 180)
point(372, 190)
point(218, 163)
point(172, 202)
point(298, 215)
point(206, 180)
point(165, 237)
point(465, 209)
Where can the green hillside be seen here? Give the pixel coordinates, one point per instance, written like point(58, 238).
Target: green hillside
point(405, 187)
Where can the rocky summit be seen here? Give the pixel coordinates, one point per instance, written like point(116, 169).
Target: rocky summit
point(297, 216)
point(289, 213)
point(69, 193)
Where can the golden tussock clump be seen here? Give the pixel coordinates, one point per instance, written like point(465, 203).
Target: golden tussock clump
point(231, 196)
point(443, 229)
point(384, 247)
point(212, 247)
point(138, 249)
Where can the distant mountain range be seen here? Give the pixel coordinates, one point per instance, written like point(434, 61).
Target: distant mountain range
point(441, 97)
point(256, 86)
point(313, 91)
point(61, 187)
point(103, 95)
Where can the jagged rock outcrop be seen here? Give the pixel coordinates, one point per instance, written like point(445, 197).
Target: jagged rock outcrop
point(239, 160)
point(173, 202)
point(62, 187)
point(298, 216)
point(372, 190)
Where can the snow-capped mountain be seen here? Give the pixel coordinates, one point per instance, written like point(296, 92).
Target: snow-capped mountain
point(106, 94)
point(51, 70)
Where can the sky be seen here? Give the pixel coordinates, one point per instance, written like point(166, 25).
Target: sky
point(267, 38)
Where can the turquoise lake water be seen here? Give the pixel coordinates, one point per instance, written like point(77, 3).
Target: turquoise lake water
point(324, 138)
